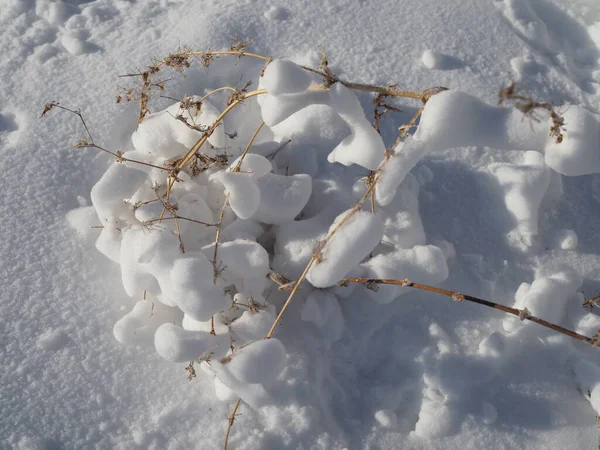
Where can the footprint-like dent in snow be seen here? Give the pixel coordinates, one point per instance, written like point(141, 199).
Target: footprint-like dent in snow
point(9, 128)
point(277, 13)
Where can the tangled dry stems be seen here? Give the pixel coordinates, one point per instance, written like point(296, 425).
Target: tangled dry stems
point(198, 162)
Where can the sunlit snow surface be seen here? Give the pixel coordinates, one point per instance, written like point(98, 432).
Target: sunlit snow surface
point(350, 369)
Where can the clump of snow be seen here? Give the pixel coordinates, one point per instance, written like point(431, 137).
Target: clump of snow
point(386, 418)
point(431, 59)
point(566, 239)
point(259, 361)
point(244, 195)
point(546, 298)
point(350, 243)
point(284, 77)
point(282, 197)
point(178, 345)
point(364, 145)
point(424, 264)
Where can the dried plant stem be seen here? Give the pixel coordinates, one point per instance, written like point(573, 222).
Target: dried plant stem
point(231, 420)
point(192, 151)
point(245, 152)
point(290, 297)
point(218, 238)
point(214, 91)
point(206, 224)
point(229, 52)
point(393, 92)
point(523, 314)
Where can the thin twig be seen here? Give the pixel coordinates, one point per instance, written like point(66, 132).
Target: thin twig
point(218, 238)
point(523, 314)
point(231, 420)
point(181, 163)
point(245, 152)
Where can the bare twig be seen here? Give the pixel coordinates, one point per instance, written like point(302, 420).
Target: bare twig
point(216, 270)
point(231, 420)
point(522, 314)
point(245, 152)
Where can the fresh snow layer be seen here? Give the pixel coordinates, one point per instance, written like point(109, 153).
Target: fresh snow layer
point(424, 372)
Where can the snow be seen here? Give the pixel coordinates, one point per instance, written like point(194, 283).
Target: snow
point(178, 345)
point(364, 145)
point(284, 77)
point(348, 245)
point(259, 361)
point(100, 297)
point(425, 264)
point(282, 197)
point(244, 195)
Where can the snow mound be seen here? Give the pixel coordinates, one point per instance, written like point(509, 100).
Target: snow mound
point(346, 248)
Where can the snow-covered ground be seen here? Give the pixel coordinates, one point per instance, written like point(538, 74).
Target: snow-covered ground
point(484, 211)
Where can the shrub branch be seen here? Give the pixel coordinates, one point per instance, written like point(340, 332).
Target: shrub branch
point(523, 314)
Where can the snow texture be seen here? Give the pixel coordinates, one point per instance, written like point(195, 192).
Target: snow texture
point(481, 199)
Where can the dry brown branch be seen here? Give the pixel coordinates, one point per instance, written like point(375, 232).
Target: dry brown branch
point(191, 371)
point(529, 107)
point(245, 152)
point(522, 314)
point(215, 264)
point(230, 420)
point(89, 141)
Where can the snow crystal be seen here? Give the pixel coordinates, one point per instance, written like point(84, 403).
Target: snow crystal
point(284, 77)
point(258, 362)
point(352, 241)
